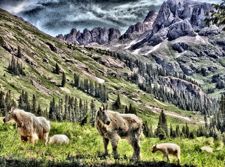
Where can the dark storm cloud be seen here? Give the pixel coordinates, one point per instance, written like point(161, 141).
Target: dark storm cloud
point(60, 16)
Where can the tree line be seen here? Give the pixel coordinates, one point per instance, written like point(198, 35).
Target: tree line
point(152, 80)
point(93, 88)
point(162, 131)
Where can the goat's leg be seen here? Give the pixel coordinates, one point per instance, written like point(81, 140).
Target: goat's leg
point(114, 144)
point(45, 137)
point(32, 139)
point(136, 149)
point(106, 142)
point(166, 156)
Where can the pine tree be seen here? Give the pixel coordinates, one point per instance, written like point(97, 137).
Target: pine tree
point(164, 122)
point(63, 83)
point(76, 80)
point(19, 54)
point(27, 103)
point(117, 104)
point(66, 105)
point(52, 110)
point(2, 103)
point(39, 111)
point(56, 69)
point(81, 113)
point(34, 104)
point(162, 130)
point(93, 112)
point(147, 130)
point(15, 67)
point(178, 133)
point(91, 88)
point(9, 101)
point(126, 110)
point(187, 131)
point(132, 109)
point(172, 133)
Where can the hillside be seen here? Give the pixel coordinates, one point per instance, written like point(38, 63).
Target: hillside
point(185, 53)
point(70, 82)
point(40, 52)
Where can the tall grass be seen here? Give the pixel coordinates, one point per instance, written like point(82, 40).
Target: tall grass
point(86, 147)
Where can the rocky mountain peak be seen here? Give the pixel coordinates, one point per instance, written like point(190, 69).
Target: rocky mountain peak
point(177, 18)
point(97, 35)
point(134, 31)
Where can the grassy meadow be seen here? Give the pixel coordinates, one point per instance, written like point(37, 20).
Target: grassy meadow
point(86, 147)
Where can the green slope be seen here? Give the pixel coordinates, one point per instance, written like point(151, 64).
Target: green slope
point(39, 60)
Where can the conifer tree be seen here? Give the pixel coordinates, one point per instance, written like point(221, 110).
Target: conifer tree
point(132, 109)
point(15, 67)
point(76, 80)
point(2, 103)
point(19, 54)
point(93, 112)
point(162, 130)
point(147, 130)
point(34, 104)
point(56, 70)
point(117, 104)
point(39, 111)
point(63, 83)
point(178, 133)
point(52, 110)
point(126, 109)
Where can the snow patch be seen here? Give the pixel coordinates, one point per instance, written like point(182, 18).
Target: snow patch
point(200, 39)
point(136, 51)
point(154, 49)
point(131, 43)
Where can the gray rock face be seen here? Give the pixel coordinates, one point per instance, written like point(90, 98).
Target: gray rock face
point(97, 35)
point(180, 46)
point(186, 69)
point(158, 37)
point(179, 29)
point(179, 18)
point(140, 27)
point(212, 30)
point(173, 10)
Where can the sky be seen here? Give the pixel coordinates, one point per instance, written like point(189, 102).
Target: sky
point(60, 16)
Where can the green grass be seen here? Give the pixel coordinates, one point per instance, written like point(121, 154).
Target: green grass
point(86, 146)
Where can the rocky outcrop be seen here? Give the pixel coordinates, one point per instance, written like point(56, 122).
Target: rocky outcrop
point(180, 46)
point(207, 31)
point(177, 18)
point(141, 27)
point(181, 28)
point(97, 35)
